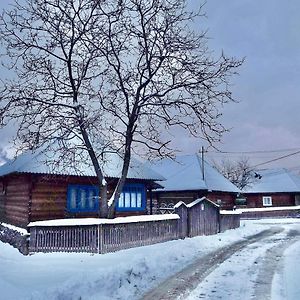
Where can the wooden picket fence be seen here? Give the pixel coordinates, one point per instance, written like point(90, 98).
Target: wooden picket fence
point(229, 220)
point(202, 217)
point(101, 238)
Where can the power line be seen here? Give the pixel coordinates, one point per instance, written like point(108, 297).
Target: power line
point(250, 152)
point(275, 159)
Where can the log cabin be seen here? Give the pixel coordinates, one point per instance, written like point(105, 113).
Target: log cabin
point(189, 177)
point(274, 188)
point(34, 190)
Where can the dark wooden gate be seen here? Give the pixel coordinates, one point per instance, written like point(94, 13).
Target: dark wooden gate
point(202, 217)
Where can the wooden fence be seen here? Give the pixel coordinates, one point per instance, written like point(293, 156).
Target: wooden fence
point(102, 238)
point(229, 220)
point(270, 212)
point(201, 217)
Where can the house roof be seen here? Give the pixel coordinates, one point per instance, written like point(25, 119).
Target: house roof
point(275, 181)
point(41, 162)
point(185, 173)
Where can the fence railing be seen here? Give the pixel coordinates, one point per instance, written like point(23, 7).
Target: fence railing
point(270, 212)
point(229, 220)
point(202, 217)
point(101, 238)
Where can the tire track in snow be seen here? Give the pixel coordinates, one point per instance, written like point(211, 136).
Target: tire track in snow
point(180, 284)
point(269, 264)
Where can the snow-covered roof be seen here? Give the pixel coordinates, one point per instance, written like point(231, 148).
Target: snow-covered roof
point(275, 181)
point(40, 162)
point(185, 173)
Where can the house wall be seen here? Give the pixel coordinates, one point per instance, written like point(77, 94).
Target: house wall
point(278, 199)
point(14, 199)
point(174, 197)
point(2, 202)
point(227, 200)
point(49, 197)
point(30, 198)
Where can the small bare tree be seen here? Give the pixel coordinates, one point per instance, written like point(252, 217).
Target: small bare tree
point(110, 73)
point(240, 172)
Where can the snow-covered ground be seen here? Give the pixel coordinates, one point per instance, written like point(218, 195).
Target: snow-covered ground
point(249, 273)
point(125, 274)
point(286, 280)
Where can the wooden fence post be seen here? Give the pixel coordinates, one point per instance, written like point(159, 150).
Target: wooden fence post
point(182, 210)
point(100, 238)
point(32, 239)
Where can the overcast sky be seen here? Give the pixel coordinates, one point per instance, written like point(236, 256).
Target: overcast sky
point(267, 117)
point(267, 33)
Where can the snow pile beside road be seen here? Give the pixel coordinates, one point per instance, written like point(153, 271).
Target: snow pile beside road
point(122, 275)
point(286, 282)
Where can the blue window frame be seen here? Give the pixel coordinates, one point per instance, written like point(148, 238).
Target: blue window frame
point(132, 198)
point(82, 198)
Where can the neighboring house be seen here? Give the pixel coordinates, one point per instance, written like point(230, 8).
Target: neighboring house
point(32, 190)
point(276, 187)
point(187, 179)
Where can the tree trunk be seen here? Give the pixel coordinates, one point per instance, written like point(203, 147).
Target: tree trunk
point(103, 205)
point(121, 181)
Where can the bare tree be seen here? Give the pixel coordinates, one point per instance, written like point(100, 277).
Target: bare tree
point(239, 172)
point(111, 73)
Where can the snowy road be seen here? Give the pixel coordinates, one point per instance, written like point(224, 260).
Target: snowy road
point(249, 273)
point(258, 268)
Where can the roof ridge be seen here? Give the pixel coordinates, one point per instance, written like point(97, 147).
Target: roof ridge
point(291, 176)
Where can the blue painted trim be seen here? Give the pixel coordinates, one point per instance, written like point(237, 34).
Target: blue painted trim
point(129, 187)
point(87, 188)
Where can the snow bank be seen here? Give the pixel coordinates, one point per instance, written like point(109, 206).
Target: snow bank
point(285, 284)
point(15, 228)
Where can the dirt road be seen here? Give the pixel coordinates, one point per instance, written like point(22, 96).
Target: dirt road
point(256, 275)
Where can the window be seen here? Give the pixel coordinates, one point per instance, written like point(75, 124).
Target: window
point(133, 198)
point(267, 201)
point(82, 198)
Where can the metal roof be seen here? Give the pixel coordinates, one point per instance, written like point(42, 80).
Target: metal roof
point(185, 173)
point(275, 181)
point(41, 162)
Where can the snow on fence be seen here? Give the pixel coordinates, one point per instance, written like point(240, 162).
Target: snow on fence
point(201, 217)
point(102, 236)
point(270, 212)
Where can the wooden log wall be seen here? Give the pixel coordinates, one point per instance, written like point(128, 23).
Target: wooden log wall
point(174, 197)
point(101, 238)
point(14, 203)
point(225, 200)
point(49, 198)
point(2, 202)
point(278, 199)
